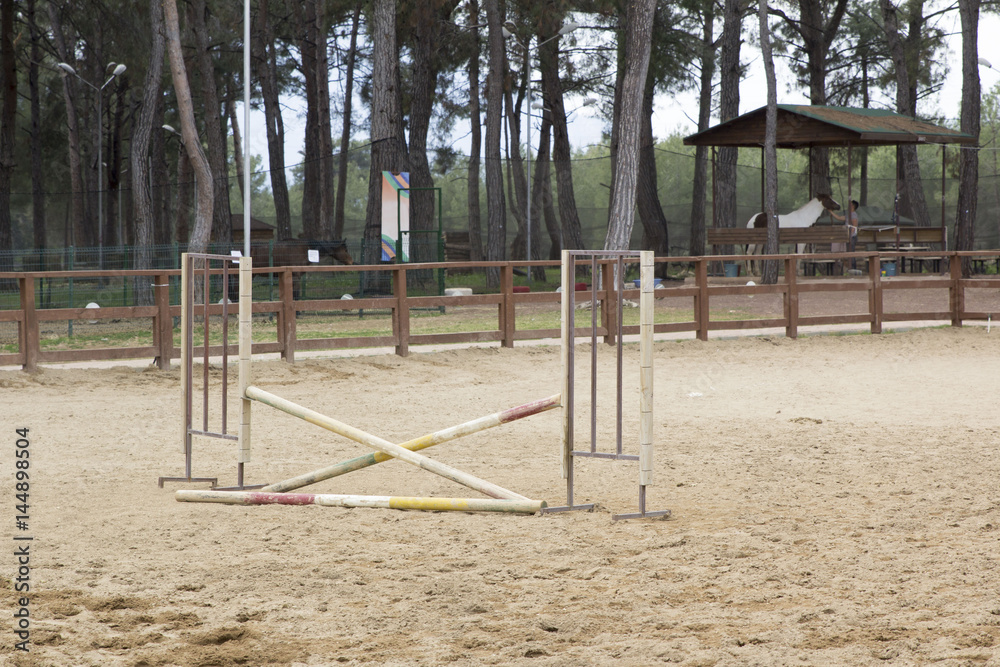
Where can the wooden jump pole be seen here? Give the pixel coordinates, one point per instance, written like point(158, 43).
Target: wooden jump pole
point(567, 329)
point(186, 368)
point(389, 502)
point(381, 445)
point(423, 442)
point(646, 368)
point(246, 341)
point(646, 327)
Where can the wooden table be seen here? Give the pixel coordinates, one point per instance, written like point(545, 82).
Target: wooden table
point(918, 261)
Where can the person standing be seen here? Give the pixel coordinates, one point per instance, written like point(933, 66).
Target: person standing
point(852, 223)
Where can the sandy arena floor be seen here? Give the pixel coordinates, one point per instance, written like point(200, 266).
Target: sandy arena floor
point(836, 501)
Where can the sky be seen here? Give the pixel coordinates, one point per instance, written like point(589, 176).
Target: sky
point(675, 113)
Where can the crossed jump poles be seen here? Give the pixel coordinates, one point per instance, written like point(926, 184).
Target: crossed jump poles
point(499, 499)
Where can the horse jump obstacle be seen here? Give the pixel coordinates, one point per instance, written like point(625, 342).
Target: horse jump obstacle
point(188, 277)
point(502, 500)
point(568, 329)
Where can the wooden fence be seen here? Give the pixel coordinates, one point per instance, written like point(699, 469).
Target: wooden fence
point(703, 289)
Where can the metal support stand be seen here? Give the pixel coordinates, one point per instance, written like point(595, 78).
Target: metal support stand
point(187, 361)
point(645, 457)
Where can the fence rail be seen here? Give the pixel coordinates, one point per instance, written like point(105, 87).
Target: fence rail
point(29, 317)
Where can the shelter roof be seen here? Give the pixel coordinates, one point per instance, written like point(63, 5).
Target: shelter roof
point(801, 126)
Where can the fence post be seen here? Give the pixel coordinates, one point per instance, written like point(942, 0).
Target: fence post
point(507, 305)
point(701, 300)
point(792, 297)
point(72, 260)
point(287, 322)
point(956, 292)
point(609, 304)
point(401, 311)
point(29, 325)
point(164, 323)
point(875, 292)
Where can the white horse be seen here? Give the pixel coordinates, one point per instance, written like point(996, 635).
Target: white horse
point(803, 216)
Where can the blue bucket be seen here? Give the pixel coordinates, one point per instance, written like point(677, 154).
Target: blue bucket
point(888, 268)
point(732, 270)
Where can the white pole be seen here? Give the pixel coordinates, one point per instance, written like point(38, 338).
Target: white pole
point(646, 322)
point(100, 178)
point(528, 213)
point(246, 128)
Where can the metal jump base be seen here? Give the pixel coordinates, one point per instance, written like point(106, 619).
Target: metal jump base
point(569, 452)
point(188, 276)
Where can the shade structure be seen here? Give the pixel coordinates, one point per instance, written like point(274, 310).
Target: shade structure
point(803, 125)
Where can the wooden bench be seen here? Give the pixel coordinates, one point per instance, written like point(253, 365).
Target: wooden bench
point(897, 237)
point(815, 235)
point(819, 238)
point(915, 239)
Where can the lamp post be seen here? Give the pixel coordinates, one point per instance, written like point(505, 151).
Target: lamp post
point(119, 69)
point(566, 28)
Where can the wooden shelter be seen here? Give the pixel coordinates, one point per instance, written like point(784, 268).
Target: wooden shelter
point(805, 126)
point(260, 231)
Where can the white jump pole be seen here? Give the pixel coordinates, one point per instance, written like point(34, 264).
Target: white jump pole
point(246, 342)
point(567, 330)
point(388, 502)
point(381, 445)
point(646, 368)
point(423, 442)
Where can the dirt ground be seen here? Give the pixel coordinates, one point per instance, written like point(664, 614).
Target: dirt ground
point(835, 500)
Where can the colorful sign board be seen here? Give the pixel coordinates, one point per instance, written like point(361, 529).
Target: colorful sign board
point(395, 216)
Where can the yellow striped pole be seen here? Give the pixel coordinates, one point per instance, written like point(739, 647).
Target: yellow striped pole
point(389, 502)
point(384, 446)
point(245, 347)
point(423, 442)
point(646, 369)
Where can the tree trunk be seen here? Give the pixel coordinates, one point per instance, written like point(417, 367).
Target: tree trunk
point(141, 136)
point(388, 148)
point(548, 58)
point(345, 133)
point(159, 180)
point(729, 108)
point(770, 275)
point(517, 163)
point(37, 166)
point(639, 29)
point(264, 48)
point(426, 17)
point(8, 116)
point(222, 221)
point(185, 195)
point(325, 129)
point(238, 161)
point(913, 202)
point(189, 131)
point(654, 222)
point(542, 199)
point(79, 233)
point(476, 137)
point(817, 32)
point(496, 230)
point(311, 168)
point(699, 185)
point(968, 161)
point(114, 230)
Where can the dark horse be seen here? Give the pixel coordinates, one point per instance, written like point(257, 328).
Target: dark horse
point(295, 252)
